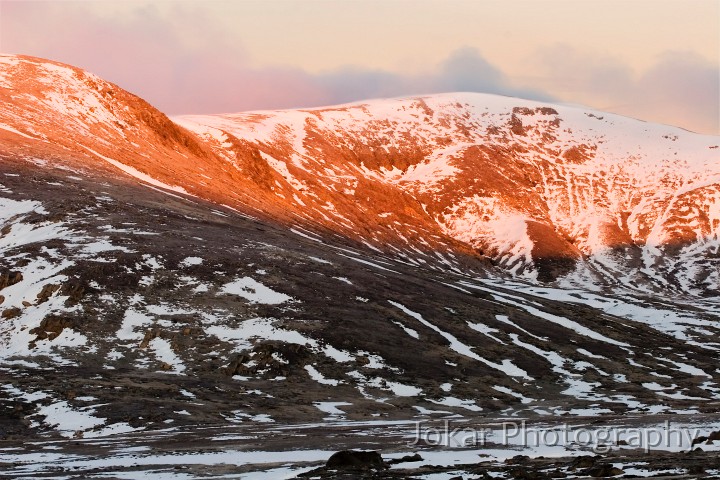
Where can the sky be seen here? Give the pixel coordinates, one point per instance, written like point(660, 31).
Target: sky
point(656, 60)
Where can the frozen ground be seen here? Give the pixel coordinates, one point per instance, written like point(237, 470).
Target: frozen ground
point(641, 446)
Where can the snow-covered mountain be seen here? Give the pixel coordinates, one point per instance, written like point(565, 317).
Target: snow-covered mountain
point(538, 188)
point(461, 251)
point(544, 191)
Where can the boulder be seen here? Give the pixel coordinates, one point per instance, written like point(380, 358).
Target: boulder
point(355, 460)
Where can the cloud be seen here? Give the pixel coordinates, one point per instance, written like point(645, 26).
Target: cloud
point(465, 70)
point(173, 59)
point(680, 88)
point(171, 55)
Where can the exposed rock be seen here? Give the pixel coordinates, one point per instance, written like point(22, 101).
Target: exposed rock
point(47, 292)
point(527, 474)
point(355, 460)
point(604, 471)
point(51, 327)
point(517, 459)
point(9, 278)
point(74, 289)
point(584, 461)
point(11, 312)
point(416, 457)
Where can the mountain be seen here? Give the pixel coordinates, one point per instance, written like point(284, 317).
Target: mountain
point(450, 254)
point(542, 190)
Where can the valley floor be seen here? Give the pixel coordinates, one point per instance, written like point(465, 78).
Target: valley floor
point(451, 447)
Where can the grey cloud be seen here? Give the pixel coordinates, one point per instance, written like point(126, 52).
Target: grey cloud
point(178, 63)
point(681, 88)
point(682, 85)
point(149, 53)
point(465, 70)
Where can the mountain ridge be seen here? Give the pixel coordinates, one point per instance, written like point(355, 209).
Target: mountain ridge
point(475, 173)
point(619, 233)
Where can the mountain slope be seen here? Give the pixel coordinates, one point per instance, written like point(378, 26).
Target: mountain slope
point(535, 187)
point(56, 113)
point(337, 263)
point(137, 309)
point(543, 191)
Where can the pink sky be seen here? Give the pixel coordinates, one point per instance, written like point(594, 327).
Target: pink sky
point(658, 61)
